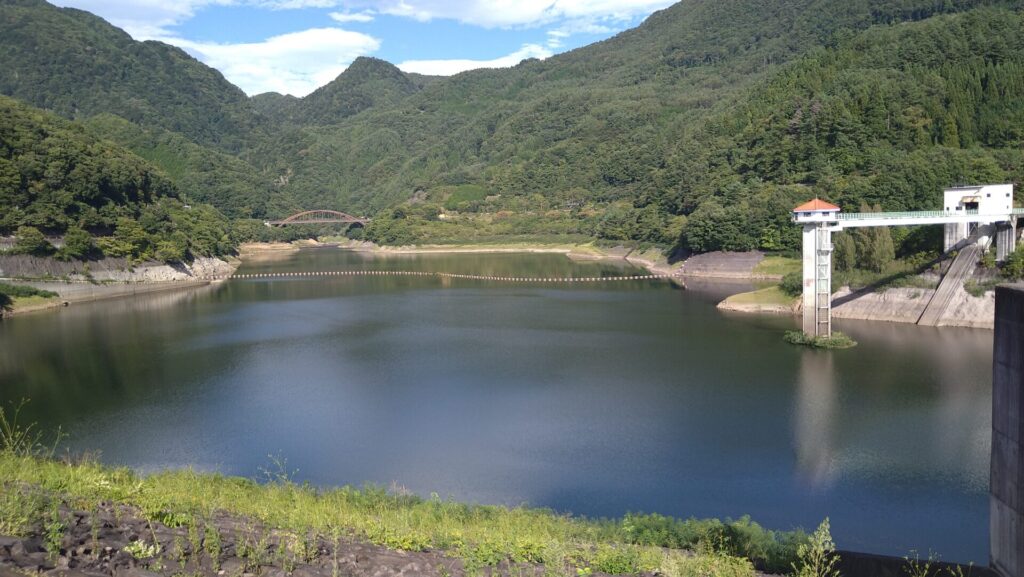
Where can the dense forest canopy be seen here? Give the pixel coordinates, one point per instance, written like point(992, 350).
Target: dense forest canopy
point(699, 129)
point(57, 178)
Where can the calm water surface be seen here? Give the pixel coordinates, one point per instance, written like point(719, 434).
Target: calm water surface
point(594, 399)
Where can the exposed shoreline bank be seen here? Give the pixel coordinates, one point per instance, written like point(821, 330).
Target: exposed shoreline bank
point(897, 305)
point(108, 280)
point(652, 260)
point(894, 305)
point(901, 305)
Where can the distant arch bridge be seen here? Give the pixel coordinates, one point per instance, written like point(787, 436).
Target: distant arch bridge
point(320, 216)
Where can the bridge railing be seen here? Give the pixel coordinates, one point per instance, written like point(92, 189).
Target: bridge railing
point(907, 214)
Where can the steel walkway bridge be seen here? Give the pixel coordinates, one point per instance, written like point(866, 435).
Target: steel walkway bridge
point(911, 218)
point(973, 218)
point(320, 216)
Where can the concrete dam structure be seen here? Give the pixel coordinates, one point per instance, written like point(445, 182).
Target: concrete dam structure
point(973, 217)
point(1006, 500)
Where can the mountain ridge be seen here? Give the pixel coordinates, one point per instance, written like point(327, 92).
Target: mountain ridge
point(637, 129)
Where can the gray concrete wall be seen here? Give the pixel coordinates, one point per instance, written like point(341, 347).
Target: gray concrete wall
point(1007, 479)
point(1006, 238)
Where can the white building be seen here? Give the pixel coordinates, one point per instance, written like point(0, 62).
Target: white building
point(989, 199)
point(992, 203)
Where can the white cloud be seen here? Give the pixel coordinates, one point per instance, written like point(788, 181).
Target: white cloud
point(364, 16)
point(511, 13)
point(299, 62)
point(294, 4)
point(454, 66)
point(143, 19)
point(295, 63)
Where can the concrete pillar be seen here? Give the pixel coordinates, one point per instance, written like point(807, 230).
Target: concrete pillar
point(817, 277)
point(1006, 240)
point(955, 233)
point(1006, 500)
point(810, 244)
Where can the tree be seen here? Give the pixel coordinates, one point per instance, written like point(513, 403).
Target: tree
point(714, 227)
point(28, 240)
point(844, 254)
point(170, 251)
point(77, 245)
point(878, 250)
point(131, 233)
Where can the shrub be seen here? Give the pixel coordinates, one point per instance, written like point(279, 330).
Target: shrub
point(28, 240)
point(78, 245)
point(1014, 267)
point(836, 341)
point(24, 291)
point(792, 284)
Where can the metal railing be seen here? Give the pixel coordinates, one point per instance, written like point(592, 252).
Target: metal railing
point(908, 214)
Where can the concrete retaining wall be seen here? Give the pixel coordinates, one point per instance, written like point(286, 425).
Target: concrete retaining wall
point(1007, 480)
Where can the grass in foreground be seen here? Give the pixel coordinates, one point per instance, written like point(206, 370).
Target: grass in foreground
point(481, 535)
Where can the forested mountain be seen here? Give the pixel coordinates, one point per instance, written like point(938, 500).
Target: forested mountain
point(202, 174)
point(700, 128)
point(58, 178)
point(78, 65)
point(366, 83)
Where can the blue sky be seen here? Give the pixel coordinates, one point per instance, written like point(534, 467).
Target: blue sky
point(295, 46)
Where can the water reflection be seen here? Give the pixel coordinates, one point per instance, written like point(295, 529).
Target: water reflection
point(596, 399)
point(816, 414)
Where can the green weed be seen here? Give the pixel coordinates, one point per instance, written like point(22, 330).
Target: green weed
point(20, 507)
point(141, 550)
point(213, 546)
point(915, 567)
point(483, 536)
point(23, 440)
point(707, 563)
point(817, 557)
point(53, 532)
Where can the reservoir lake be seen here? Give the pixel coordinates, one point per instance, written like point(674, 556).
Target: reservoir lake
point(596, 399)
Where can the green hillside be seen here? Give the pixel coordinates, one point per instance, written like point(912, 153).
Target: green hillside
point(624, 127)
point(78, 65)
point(202, 174)
point(57, 178)
point(699, 129)
point(887, 117)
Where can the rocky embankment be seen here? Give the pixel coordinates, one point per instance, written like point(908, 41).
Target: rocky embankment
point(901, 305)
point(77, 281)
point(117, 541)
point(906, 305)
point(111, 269)
point(731, 265)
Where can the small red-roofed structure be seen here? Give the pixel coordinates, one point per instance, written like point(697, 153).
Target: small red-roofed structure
point(816, 210)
